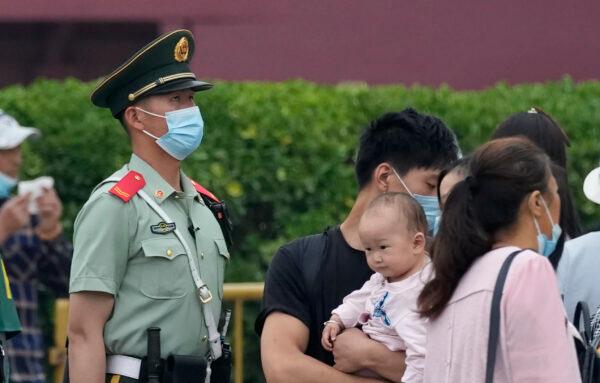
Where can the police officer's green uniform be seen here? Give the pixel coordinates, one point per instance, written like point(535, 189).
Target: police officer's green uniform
point(123, 247)
point(9, 320)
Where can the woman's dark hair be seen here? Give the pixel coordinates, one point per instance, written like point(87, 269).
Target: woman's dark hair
point(569, 221)
point(546, 133)
point(461, 166)
point(502, 173)
point(541, 129)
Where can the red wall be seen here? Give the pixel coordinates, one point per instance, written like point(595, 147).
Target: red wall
point(465, 43)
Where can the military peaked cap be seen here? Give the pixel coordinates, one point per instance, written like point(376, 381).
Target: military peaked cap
point(160, 67)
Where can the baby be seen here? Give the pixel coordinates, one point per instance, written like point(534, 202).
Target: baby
point(392, 231)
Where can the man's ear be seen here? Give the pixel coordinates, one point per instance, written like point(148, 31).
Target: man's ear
point(131, 118)
point(534, 204)
point(382, 176)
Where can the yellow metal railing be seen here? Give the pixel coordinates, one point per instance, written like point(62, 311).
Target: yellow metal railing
point(237, 293)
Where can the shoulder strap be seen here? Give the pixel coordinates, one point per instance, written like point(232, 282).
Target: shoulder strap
point(582, 314)
point(494, 331)
point(202, 290)
point(204, 192)
point(219, 210)
point(128, 186)
point(315, 248)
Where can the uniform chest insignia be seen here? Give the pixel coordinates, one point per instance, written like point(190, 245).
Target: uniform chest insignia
point(163, 227)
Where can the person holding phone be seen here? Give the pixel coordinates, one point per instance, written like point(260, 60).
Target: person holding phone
point(33, 248)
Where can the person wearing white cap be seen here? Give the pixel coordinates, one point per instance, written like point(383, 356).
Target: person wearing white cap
point(579, 268)
point(33, 248)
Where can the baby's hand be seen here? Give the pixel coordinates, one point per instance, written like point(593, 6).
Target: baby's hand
point(332, 328)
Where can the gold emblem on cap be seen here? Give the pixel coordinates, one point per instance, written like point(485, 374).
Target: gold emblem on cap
point(182, 49)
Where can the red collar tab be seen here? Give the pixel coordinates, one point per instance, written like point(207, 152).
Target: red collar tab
point(128, 186)
point(200, 189)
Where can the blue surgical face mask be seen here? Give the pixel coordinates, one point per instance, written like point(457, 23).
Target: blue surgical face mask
point(7, 184)
point(430, 205)
point(547, 246)
point(186, 128)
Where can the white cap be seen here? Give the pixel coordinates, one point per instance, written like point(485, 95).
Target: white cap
point(12, 134)
point(591, 186)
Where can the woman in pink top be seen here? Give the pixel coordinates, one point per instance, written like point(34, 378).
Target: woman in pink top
point(508, 202)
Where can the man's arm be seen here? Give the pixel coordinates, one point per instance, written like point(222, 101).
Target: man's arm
point(353, 350)
point(283, 342)
point(88, 312)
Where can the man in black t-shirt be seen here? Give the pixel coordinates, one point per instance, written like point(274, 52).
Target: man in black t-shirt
point(309, 277)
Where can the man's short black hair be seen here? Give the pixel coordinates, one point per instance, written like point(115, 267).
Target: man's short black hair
point(407, 140)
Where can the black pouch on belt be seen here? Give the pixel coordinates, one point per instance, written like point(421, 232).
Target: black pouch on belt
point(221, 368)
point(185, 369)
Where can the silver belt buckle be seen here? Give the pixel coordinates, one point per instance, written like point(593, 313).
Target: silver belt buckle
point(204, 294)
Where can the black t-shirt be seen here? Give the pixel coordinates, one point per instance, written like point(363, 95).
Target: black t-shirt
point(342, 270)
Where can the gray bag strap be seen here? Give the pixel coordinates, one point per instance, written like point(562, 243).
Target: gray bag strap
point(494, 332)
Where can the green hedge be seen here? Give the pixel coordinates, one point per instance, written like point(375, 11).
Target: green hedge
point(281, 153)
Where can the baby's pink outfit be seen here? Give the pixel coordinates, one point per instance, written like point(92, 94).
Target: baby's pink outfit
point(388, 314)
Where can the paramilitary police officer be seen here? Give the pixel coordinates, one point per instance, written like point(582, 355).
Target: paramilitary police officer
point(149, 249)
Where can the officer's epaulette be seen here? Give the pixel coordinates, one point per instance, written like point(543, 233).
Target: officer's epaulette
point(200, 189)
point(128, 186)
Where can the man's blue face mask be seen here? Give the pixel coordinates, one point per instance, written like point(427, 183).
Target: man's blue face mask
point(186, 129)
point(7, 184)
point(430, 205)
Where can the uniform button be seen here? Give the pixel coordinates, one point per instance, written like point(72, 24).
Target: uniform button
point(169, 253)
point(159, 194)
point(204, 338)
point(202, 255)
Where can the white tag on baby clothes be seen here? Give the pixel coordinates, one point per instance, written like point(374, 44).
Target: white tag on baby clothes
point(36, 189)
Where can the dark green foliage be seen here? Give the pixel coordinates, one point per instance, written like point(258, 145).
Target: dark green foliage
point(281, 153)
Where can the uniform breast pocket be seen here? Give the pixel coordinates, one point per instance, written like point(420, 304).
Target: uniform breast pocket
point(165, 273)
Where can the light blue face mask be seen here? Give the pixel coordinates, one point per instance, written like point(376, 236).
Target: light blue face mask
point(430, 205)
point(186, 129)
point(7, 184)
point(547, 246)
